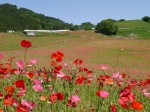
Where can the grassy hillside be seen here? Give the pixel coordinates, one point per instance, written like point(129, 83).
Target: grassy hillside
point(19, 19)
point(134, 28)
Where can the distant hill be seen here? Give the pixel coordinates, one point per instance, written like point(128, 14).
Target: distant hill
point(134, 28)
point(19, 19)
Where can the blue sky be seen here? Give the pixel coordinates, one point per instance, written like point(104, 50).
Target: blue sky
point(79, 11)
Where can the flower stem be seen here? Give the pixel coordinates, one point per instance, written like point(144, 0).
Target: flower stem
point(25, 55)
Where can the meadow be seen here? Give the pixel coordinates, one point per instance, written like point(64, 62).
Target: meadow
point(78, 71)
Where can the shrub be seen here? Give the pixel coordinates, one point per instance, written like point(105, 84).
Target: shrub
point(121, 20)
point(86, 26)
point(106, 27)
point(146, 19)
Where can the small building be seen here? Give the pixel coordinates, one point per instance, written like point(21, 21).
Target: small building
point(33, 32)
point(92, 28)
point(30, 33)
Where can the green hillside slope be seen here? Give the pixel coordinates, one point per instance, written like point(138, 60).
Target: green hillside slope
point(19, 19)
point(134, 28)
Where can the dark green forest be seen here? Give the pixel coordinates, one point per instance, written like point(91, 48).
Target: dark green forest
point(19, 19)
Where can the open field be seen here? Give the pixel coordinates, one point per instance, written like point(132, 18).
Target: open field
point(57, 83)
point(128, 55)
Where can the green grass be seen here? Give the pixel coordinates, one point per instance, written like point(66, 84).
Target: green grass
point(131, 24)
point(12, 41)
point(41, 34)
point(134, 28)
point(95, 49)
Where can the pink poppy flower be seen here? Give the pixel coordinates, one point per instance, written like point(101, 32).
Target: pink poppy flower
point(38, 88)
point(65, 64)
point(103, 66)
point(75, 98)
point(102, 94)
point(144, 91)
point(73, 101)
point(117, 76)
point(28, 104)
point(33, 61)
point(123, 102)
point(60, 74)
point(37, 82)
point(20, 64)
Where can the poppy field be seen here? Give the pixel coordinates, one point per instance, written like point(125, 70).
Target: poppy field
point(78, 76)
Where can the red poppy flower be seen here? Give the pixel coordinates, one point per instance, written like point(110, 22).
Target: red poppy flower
point(30, 74)
point(123, 75)
point(78, 62)
point(67, 78)
point(60, 96)
point(58, 67)
point(80, 80)
point(26, 43)
point(19, 83)
point(22, 108)
point(12, 71)
point(53, 63)
point(21, 92)
point(3, 71)
point(125, 92)
point(1, 95)
point(1, 110)
point(8, 99)
point(53, 97)
point(137, 105)
point(60, 54)
point(9, 89)
point(113, 108)
point(57, 56)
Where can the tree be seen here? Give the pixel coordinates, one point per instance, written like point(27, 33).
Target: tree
point(74, 27)
point(106, 27)
point(121, 20)
point(86, 26)
point(146, 19)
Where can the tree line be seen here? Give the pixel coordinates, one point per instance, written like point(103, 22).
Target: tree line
point(19, 19)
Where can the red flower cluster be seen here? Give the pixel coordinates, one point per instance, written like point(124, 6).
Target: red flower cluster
point(26, 43)
point(80, 79)
point(53, 97)
point(126, 96)
point(57, 56)
point(78, 62)
point(104, 80)
point(67, 78)
point(127, 99)
point(73, 101)
point(8, 99)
